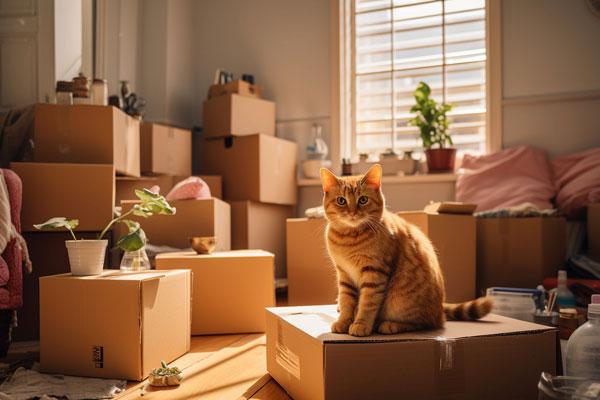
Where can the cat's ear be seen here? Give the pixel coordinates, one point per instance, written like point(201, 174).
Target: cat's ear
point(328, 179)
point(373, 177)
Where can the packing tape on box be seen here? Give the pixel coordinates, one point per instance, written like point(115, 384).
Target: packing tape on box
point(285, 357)
point(449, 368)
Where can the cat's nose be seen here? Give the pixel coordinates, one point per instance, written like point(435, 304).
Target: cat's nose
point(353, 213)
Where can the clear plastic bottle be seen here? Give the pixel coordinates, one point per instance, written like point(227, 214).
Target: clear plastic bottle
point(583, 348)
point(564, 297)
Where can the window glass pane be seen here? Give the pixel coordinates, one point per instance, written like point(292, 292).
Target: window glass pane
point(366, 5)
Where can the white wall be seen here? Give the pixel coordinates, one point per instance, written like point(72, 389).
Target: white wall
point(67, 38)
point(551, 78)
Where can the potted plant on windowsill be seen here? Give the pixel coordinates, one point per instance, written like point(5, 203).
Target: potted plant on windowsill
point(433, 125)
point(86, 257)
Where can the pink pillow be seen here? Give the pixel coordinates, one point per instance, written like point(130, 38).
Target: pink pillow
point(576, 180)
point(506, 178)
point(189, 188)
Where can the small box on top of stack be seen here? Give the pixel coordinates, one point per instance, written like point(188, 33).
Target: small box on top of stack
point(258, 169)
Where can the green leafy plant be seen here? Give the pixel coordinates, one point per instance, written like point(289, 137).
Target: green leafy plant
point(431, 118)
point(135, 239)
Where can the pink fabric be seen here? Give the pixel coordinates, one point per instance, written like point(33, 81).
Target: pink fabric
point(13, 297)
point(576, 180)
point(189, 188)
point(506, 178)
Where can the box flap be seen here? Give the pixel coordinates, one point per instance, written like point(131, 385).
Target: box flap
point(219, 254)
point(116, 275)
point(316, 321)
point(450, 207)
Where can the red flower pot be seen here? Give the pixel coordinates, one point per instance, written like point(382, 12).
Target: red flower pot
point(440, 160)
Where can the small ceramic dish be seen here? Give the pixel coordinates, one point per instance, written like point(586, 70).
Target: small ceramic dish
point(203, 244)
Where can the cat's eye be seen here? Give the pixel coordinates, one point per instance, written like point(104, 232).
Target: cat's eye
point(363, 200)
point(341, 201)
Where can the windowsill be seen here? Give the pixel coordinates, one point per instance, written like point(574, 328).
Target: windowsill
point(419, 178)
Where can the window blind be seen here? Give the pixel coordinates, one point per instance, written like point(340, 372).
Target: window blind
point(399, 43)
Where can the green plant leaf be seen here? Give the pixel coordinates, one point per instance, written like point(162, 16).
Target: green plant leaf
point(131, 225)
point(141, 211)
point(73, 223)
point(56, 222)
point(133, 240)
point(146, 195)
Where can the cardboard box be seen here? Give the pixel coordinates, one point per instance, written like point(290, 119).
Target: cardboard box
point(165, 150)
point(256, 167)
point(593, 230)
point(237, 86)
point(310, 272)
point(237, 115)
point(519, 252)
point(126, 186)
point(206, 217)
point(84, 331)
point(87, 134)
point(260, 226)
point(231, 289)
point(40, 244)
point(500, 358)
point(76, 191)
point(452, 230)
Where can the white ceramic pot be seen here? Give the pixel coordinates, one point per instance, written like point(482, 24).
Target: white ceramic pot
point(312, 168)
point(86, 257)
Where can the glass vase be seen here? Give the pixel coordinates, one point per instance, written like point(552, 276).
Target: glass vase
point(135, 261)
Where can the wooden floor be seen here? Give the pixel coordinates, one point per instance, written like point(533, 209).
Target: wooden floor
point(218, 367)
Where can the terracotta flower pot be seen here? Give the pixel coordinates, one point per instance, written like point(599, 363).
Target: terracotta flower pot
point(440, 160)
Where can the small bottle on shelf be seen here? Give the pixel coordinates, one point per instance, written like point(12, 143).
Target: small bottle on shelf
point(583, 348)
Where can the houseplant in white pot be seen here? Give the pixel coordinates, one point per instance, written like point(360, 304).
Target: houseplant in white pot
point(433, 125)
point(86, 257)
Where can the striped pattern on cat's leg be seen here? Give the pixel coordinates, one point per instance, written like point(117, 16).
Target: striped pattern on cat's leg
point(347, 300)
point(373, 283)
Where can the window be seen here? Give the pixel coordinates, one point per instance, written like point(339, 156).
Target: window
point(398, 43)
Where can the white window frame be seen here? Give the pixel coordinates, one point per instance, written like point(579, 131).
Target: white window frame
point(342, 79)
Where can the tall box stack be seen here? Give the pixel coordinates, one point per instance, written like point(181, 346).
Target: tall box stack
point(258, 169)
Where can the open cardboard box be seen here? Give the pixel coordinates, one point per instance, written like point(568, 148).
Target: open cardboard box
point(496, 358)
point(87, 134)
point(115, 325)
point(231, 289)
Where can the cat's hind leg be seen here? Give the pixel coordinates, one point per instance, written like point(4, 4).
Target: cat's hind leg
point(391, 327)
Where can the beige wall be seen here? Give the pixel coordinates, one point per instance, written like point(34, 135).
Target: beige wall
point(551, 78)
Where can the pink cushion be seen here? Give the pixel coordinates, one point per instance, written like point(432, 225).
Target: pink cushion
point(189, 188)
point(506, 178)
point(576, 180)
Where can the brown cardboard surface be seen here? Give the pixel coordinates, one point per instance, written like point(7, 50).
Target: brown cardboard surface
point(237, 115)
point(519, 252)
point(261, 226)
point(593, 230)
point(496, 358)
point(310, 272)
point(76, 191)
point(87, 134)
point(454, 238)
point(450, 207)
point(126, 185)
point(231, 289)
point(83, 331)
point(206, 217)
point(257, 167)
point(165, 149)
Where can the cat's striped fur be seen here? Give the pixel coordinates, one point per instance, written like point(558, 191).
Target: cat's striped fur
point(389, 277)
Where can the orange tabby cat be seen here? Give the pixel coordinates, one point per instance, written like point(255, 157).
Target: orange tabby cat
point(389, 277)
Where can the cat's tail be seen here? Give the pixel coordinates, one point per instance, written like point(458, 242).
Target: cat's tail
point(469, 310)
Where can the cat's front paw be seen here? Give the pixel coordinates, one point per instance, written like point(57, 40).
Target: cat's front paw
point(341, 326)
point(359, 329)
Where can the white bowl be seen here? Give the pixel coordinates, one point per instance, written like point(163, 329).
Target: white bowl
point(312, 168)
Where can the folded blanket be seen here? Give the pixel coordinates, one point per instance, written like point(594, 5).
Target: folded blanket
point(525, 210)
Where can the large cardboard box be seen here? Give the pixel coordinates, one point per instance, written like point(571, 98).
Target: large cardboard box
point(519, 252)
point(231, 289)
point(593, 230)
point(260, 226)
point(165, 150)
point(114, 325)
point(237, 115)
point(206, 217)
point(87, 134)
point(126, 185)
point(498, 358)
point(310, 272)
point(453, 234)
point(76, 191)
point(256, 167)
